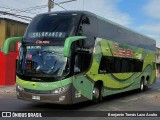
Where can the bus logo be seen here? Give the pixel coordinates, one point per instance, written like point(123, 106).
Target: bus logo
point(42, 42)
point(122, 52)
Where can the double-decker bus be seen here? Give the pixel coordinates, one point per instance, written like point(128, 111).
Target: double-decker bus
point(68, 57)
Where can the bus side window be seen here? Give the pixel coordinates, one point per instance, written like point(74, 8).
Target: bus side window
point(117, 65)
point(83, 25)
point(132, 66)
point(125, 65)
point(82, 62)
point(88, 27)
point(139, 65)
point(77, 64)
point(106, 65)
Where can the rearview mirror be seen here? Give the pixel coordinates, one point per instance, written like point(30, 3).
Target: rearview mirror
point(68, 43)
point(8, 42)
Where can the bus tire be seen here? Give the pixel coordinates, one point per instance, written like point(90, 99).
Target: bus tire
point(146, 86)
point(97, 93)
point(141, 89)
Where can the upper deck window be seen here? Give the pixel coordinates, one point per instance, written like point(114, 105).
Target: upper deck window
point(51, 26)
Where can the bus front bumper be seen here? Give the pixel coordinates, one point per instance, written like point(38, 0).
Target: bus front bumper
point(64, 97)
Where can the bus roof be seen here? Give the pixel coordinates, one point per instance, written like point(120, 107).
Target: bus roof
point(99, 17)
point(147, 38)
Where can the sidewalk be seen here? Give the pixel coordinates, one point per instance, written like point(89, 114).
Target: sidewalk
point(7, 89)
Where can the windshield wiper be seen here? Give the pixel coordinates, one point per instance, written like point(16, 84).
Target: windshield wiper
point(53, 52)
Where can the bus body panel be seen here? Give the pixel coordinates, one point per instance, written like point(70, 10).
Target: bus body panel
point(121, 82)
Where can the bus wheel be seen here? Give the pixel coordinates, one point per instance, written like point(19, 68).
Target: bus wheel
point(142, 85)
point(97, 94)
point(146, 86)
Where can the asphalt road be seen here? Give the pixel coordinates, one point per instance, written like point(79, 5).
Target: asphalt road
point(131, 101)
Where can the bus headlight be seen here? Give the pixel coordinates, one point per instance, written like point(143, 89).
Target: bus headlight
point(60, 90)
point(20, 88)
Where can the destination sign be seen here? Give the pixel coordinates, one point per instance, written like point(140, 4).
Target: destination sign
point(47, 35)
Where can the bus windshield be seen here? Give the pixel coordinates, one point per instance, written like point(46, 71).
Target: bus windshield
point(51, 27)
point(43, 61)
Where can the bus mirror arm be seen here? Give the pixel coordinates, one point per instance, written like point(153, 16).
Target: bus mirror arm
point(68, 44)
point(8, 42)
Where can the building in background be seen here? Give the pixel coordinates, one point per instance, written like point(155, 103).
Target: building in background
point(11, 28)
point(158, 62)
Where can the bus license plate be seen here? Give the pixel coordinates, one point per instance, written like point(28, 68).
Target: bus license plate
point(35, 97)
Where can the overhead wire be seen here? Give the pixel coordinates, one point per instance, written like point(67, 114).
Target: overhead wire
point(67, 1)
point(60, 6)
point(25, 10)
point(15, 15)
point(28, 10)
point(13, 9)
point(33, 8)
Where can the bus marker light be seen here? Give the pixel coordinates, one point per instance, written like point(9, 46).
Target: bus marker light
point(20, 88)
point(56, 91)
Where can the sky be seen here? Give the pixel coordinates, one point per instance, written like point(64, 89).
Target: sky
point(142, 16)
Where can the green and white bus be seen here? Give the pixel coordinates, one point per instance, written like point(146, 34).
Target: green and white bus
point(68, 57)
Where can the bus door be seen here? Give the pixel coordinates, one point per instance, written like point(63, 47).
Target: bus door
point(82, 87)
